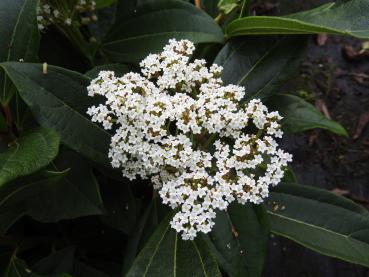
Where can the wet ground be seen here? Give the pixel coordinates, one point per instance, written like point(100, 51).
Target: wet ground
point(335, 78)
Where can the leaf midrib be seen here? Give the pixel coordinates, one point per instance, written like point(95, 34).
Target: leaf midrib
point(175, 256)
point(348, 236)
point(15, 267)
point(290, 20)
point(330, 253)
point(155, 250)
point(59, 99)
point(33, 183)
point(12, 41)
point(2, 168)
point(157, 13)
point(81, 193)
point(61, 103)
point(275, 45)
point(155, 35)
point(201, 261)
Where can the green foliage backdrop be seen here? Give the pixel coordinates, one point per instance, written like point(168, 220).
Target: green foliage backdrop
point(65, 212)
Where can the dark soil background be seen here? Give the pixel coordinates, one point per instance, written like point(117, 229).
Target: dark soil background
point(335, 78)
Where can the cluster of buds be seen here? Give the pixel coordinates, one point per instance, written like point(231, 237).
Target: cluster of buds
point(193, 137)
point(49, 13)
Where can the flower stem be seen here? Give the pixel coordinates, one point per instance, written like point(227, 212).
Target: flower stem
point(245, 8)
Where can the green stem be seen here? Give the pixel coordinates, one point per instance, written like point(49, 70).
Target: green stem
point(245, 8)
point(77, 39)
point(73, 32)
point(167, 126)
point(7, 115)
point(209, 141)
point(219, 18)
point(12, 128)
point(17, 114)
point(259, 133)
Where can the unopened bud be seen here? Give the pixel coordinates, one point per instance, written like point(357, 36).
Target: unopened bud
point(85, 20)
point(44, 68)
point(94, 17)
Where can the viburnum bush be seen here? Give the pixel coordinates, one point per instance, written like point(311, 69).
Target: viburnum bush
point(145, 138)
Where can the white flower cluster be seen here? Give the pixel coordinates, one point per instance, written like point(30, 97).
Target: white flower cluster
point(49, 13)
point(177, 124)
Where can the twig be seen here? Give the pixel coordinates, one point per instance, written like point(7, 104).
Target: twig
point(198, 4)
point(245, 8)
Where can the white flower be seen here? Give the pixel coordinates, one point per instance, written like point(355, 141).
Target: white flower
point(56, 13)
point(180, 127)
point(68, 21)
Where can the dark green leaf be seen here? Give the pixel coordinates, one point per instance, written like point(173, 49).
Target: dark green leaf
point(58, 261)
point(120, 205)
point(79, 186)
point(166, 254)
point(210, 7)
point(6, 253)
point(125, 7)
point(18, 268)
point(261, 65)
point(119, 69)
point(227, 6)
point(289, 176)
point(147, 29)
point(240, 238)
point(51, 198)
point(81, 269)
point(145, 225)
point(322, 221)
point(345, 18)
point(3, 125)
point(19, 37)
point(299, 115)
point(28, 154)
point(59, 101)
point(64, 261)
point(106, 18)
point(104, 3)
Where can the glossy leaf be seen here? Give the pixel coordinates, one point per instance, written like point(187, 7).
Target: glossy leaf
point(299, 115)
point(322, 221)
point(289, 176)
point(148, 28)
point(261, 65)
point(19, 37)
point(100, 28)
point(28, 154)
point(119, 70)
point(81, 269)
point(3, 125)
point(18, 268)
point(144, 226)
point(342, 17)
point(227, 6)
point(58, 261)
point(210, 7)
point(59, 100)
point(79, 186)
point(64, 261)
point(6, 254)
point(120, 207)
point(69, 194)
point(239, 239)
point(166, 254)
point(104, 3)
